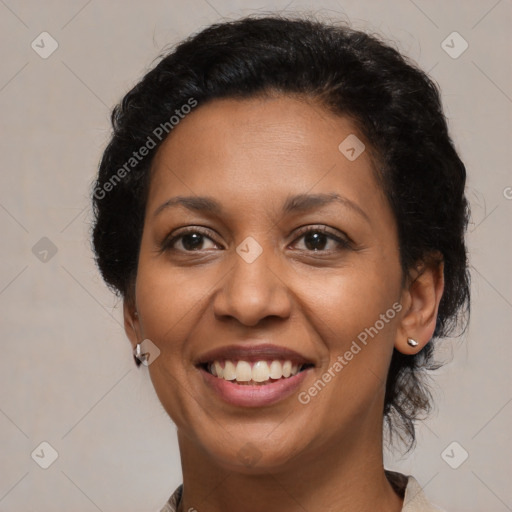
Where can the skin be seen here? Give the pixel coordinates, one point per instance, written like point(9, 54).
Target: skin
point(251, 155)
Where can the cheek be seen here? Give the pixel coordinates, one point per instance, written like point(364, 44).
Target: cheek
point(339, 303)
point(169, 303)
point(347, 302)
point(355, 315)
point(358, 313)
point(168, 300)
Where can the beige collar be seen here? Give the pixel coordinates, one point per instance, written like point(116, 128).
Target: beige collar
point(414, 498)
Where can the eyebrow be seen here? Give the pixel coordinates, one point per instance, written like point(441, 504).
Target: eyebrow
point(297, 203)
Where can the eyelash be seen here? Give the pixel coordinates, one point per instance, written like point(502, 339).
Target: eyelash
point(167, 244)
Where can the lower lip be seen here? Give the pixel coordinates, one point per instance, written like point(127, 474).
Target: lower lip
point(244, 395)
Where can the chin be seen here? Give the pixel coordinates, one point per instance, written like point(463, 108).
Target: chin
point(253, 455)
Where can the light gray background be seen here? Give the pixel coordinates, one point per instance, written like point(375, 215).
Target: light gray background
point(66, 372)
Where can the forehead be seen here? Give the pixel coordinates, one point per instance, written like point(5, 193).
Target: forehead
point(253, 153)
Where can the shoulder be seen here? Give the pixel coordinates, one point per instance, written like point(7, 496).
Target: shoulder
point(415, 499)
point(407, 486)
point(173, 501)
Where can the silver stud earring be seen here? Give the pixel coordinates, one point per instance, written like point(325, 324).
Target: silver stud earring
point(137, 354)
point(412, 343)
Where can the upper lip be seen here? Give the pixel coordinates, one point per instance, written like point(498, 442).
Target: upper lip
point(252, 353)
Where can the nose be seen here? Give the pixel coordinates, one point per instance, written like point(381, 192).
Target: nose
point(253, 291)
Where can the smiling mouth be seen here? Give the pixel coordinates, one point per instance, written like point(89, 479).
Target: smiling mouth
point(254, 373)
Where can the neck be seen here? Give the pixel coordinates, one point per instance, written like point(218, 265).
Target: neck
point(341, 476)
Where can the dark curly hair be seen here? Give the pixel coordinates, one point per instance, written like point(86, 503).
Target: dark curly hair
point(395, 105)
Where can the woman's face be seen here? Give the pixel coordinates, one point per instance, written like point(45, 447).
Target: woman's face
point(250, 276)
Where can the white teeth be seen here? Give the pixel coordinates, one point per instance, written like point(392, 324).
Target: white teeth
point(229, 371)
point(287, 368)
point(259, 371)
point(276, 370)
point(219, 372)
point(243, 371)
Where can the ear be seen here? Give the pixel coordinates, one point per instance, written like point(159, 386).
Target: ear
point(131, 322)
point(420, 299)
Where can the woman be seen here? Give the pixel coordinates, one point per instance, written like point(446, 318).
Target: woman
point(282, 210)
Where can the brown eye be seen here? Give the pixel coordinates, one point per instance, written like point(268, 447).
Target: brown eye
point(192, 239)
point(317, 238)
